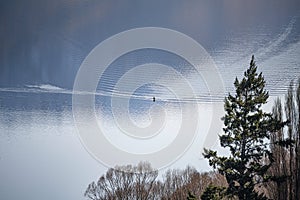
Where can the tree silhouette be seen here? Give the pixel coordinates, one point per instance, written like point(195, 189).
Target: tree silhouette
point(286, 151)
point(246, 134)
point(292, 112)
point(279, 171)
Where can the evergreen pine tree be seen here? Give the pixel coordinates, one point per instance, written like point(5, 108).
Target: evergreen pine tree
point(191, 196)
point(246, 134)
point(213, 193)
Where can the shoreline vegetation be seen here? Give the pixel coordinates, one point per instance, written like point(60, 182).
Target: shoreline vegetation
point(263, 160)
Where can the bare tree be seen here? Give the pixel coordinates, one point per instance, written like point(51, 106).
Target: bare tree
point(139, 182)
point(286, 167)
point(279, 169)
point(290, 114)
point(297, 142)
point(124, 182)
point(144, 180)
point(177, 184)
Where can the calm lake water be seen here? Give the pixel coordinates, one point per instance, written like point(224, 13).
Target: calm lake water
point(41, 153)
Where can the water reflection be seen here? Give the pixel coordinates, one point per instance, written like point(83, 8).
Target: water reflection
point(41, 155)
